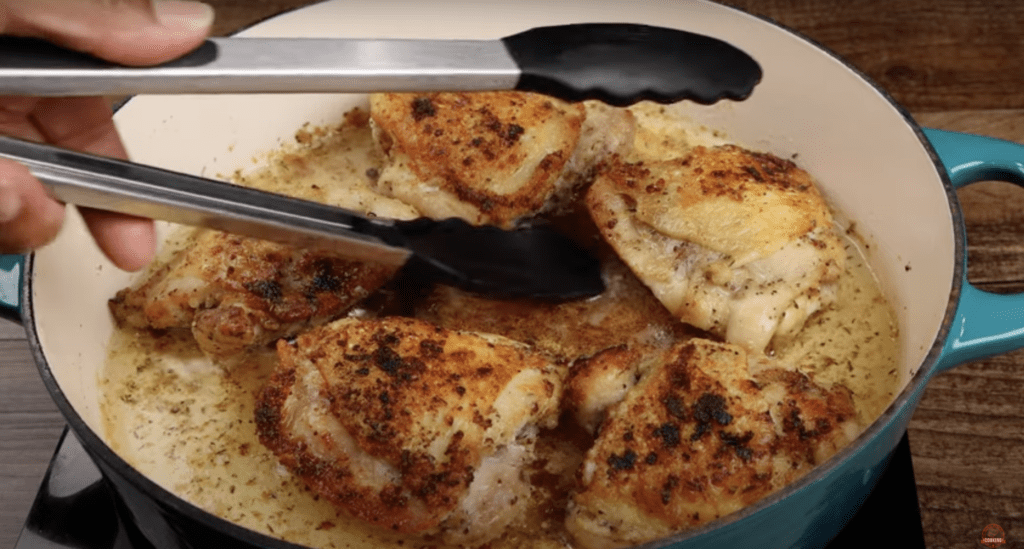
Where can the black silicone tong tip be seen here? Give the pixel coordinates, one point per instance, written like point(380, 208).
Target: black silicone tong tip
point(622, 64)
point(534, 262)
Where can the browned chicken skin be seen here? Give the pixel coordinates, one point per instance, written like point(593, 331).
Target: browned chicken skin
point(491, 158)
point(735, 242)
point(696, 437)
point(409, 426)
point(236, 293)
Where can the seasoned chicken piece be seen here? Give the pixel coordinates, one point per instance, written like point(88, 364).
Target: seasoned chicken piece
point(409, 426)
point(237, 293)
point(625, 313)
point(696, 438)
point(490, 158)
point(598, 382)
point(734, 242)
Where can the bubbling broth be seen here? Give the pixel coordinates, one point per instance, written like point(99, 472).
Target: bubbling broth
point(188, 423)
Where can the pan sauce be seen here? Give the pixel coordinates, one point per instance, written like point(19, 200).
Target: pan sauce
point(188, 424)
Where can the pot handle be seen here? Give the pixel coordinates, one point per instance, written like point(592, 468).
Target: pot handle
point(12, 270)
point(985, 323)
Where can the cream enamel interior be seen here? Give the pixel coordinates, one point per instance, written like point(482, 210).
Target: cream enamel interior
point(867, 159)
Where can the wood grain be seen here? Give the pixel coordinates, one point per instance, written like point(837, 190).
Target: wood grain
point(29, 428)
point(954, 64)
point(931, 56)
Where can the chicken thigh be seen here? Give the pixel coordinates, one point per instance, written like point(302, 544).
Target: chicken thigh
point(491, 158)
point(734, 242)
point(237, 293)
point(409, 426)
point(693, 437)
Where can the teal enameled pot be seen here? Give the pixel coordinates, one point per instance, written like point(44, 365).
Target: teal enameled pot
point(896, 180)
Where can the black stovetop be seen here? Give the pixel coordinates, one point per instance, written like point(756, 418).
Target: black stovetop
point(75, 509)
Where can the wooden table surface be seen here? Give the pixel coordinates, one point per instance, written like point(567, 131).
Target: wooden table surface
point(954, 64)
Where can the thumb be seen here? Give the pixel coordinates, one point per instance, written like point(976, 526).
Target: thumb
point(131, 32)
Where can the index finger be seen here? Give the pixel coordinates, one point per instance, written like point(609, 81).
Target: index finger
point(85, 124)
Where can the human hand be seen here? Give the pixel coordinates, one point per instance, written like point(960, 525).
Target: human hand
point(131, 32)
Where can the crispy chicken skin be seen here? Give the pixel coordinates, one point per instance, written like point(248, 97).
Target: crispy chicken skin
point(236, 293)
point(491, 158)
point(697, 437)
point(409, 426)
point(735, 242)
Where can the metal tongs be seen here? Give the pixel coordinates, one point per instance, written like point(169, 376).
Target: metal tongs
point(619, 64)
point(531, 262)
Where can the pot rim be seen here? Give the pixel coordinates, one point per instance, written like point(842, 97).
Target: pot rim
point(903, 403)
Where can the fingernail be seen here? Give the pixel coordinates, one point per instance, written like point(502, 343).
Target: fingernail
point(181, 13)
point(10, 203)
